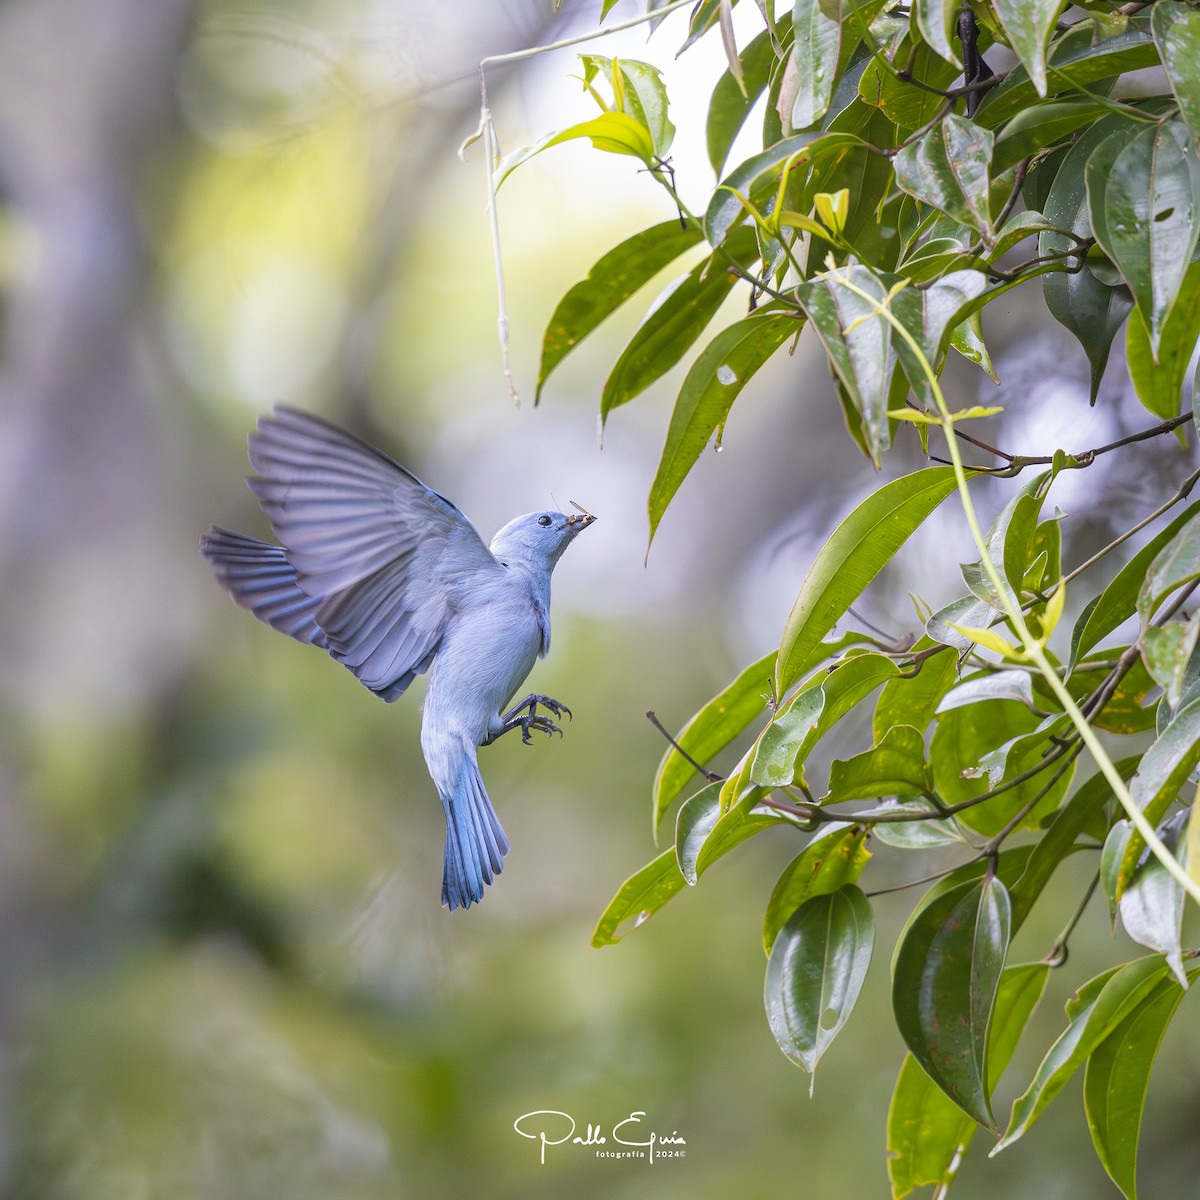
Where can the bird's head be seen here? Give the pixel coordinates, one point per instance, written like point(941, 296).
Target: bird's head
point(540, 537)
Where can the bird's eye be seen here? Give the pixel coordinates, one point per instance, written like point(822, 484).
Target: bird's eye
point(543, 519)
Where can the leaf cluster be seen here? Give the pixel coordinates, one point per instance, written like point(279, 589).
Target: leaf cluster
point(900, 187)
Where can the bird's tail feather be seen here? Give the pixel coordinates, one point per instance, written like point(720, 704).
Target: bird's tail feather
point(475, 842)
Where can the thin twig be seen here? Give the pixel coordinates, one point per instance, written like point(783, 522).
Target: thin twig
point(711, 776)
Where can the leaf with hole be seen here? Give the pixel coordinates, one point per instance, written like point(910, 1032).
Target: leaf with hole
point(816, 970)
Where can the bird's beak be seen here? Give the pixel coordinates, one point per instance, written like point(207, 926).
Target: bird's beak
point(582, 521)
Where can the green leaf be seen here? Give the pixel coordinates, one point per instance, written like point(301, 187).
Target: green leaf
point(916, 835)
point(614, 278)
point(1176, 29)
point(935, 20)
point(1076, 60)
point(712, 729)
point(1177, 563)
point(927, 1133)
point(1029, 24)
point(909, 105)
point(757, 178)
point(669, 329)
point(1095, 1010)
point(855, 553)
point(1167, 650)
point(894, 767)
point(712, 384)
point(1042, 125)
point(944, 983)
point(1117, 1077)
point(967, 612)
point(1143, 197)
point(947, 167)
point(729, 106)
point(775, 756)
point(1081, 814)
point(1159, 385)
point(989, 685)
point(703, 833)
point(612, 132)
point(640, 896)
point(858, 344)
point(834, 857)
point(1152, 905)
point(1119, 599)
point(815, 49)
point(746, 818)
point(638, 90)
point(1090, 308)
point(967, 339)
point(816, 970)
point(931, 314)
point(913, 700)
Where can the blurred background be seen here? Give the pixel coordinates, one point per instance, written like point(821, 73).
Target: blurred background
point(224, 971)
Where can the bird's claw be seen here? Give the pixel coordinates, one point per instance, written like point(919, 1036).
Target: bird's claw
point(527, 721)
point(526, 718)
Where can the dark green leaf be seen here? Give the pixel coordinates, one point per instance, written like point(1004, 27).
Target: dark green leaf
point(907, 104)
point(758, 177)
point(1029, 24)
point(668, 330)
point(855, 553)
point(818, 39)
point(944, 982)
point(712, 384)
point(1042, 125)
point(948, 168)
point(1093, 1013)
point(1076, 60)
point(858, 344)
point(927, 1133)
point(914, 700)
point(614, 278)
point(1117, 1077)
point(729, 107)
point(1176, 29)
point(1177, 563)
point(834, 857)
point(894, 767)
point(1167, 651)
point(1159, 385)
point(1143, 201)
point(816, 970)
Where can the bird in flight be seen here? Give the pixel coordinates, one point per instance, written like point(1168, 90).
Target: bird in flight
point(393, 581)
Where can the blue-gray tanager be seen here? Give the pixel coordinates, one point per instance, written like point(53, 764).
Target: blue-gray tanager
point(392, 579)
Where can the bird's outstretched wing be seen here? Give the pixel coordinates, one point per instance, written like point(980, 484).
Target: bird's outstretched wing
point(385, 558)
point(260, 578)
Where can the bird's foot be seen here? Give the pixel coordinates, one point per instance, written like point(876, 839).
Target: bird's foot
point(531, 702)
point(526, 721)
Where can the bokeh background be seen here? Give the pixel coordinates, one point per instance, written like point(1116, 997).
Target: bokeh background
point(224, 971)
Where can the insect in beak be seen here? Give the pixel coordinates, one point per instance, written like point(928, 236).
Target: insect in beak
point(583, 520)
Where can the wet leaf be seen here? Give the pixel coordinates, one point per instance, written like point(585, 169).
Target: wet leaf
point(944, 981)
point(816, 970)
